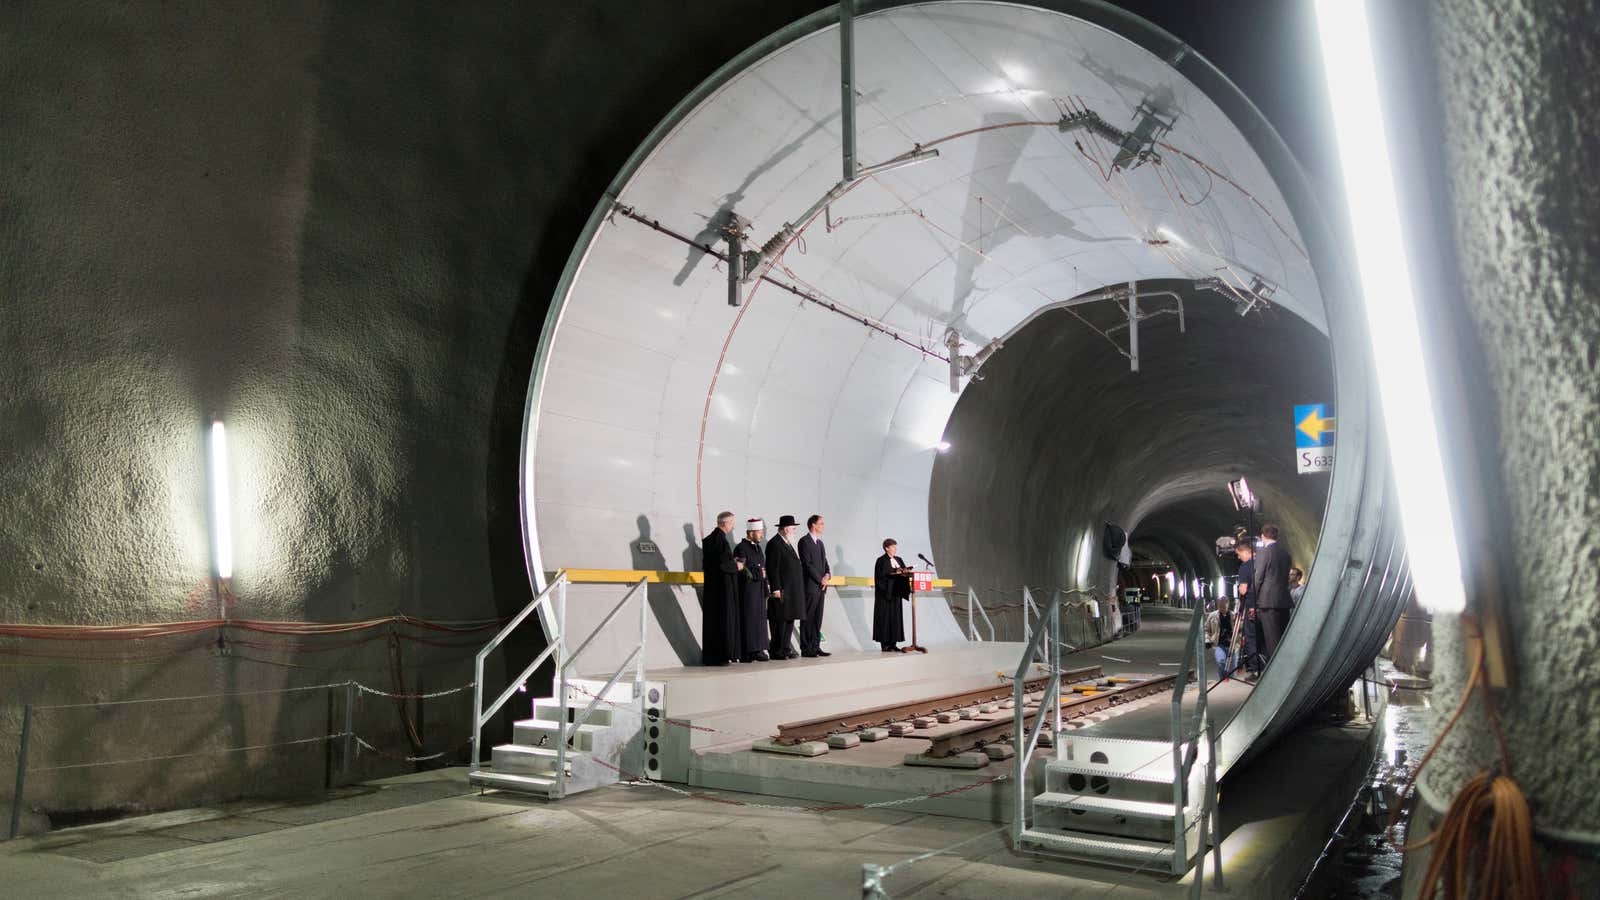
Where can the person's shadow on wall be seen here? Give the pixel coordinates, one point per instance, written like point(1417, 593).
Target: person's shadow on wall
point(663, 598)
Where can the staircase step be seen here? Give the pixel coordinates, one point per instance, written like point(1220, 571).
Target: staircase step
point(1134, 808)
point(1159, 771)
point(1100, 847)
point(510, 781)
point(547, 710)
point(544, 733)
point(524, 760)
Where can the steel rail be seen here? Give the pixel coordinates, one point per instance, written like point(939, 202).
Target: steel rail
point(979, 733)
point(820, 728)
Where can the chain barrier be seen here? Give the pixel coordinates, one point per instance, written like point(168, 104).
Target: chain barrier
point(123, 762)
point(411, 759)
point(289, 690)
point(427, 696)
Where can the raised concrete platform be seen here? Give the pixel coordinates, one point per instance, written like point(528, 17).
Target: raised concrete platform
point(430, 838)
point(711, 744)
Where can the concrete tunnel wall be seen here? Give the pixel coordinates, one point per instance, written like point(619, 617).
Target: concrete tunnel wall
point(1517, 202)
point(338, 227)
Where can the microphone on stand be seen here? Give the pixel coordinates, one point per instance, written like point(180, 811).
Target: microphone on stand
point(925, 559)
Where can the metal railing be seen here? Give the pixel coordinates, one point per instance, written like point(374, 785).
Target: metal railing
point(1049, 627)
point(973, 603)
point(634, 658)
point(551, 604)
point(552, 620)
point(1186, 752)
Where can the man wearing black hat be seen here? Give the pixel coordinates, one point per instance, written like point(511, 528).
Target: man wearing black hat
point(788, 602)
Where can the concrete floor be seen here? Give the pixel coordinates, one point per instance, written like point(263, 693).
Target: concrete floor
point(429, 835)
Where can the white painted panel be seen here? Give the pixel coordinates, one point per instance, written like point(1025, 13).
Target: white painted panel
point(663, 405)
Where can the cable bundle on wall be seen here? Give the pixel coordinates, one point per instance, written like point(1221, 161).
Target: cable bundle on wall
point(1483, 847)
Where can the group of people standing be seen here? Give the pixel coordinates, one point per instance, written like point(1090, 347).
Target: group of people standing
point(1266, 591)
point(757, 591)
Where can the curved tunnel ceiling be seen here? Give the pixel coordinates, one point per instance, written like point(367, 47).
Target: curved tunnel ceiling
point(653, 404)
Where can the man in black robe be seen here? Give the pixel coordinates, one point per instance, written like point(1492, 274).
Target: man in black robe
point(787, 604)
point(814, 566)
point(752, 605)
point(719, 619)
point(891, 583)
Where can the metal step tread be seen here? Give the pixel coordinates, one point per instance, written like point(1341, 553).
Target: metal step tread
point(550, 725)
point(1143, 809)
point(527, 784)
point(1088, 740)
point(1159, 771)
point(1099, 846)
point(525, 750)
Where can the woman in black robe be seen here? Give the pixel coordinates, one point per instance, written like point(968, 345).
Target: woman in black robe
point(891, 583)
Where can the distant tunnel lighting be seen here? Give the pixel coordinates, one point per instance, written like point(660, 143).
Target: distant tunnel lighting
point(1222, 589)
point(221, 535)
point(1397, 356)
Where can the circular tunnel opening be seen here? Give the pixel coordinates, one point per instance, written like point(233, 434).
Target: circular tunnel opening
point(738, 328)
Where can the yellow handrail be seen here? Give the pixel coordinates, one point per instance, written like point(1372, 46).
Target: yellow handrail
point(632, 576)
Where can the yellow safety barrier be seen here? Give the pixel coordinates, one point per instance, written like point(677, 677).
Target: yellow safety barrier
point(632, 576)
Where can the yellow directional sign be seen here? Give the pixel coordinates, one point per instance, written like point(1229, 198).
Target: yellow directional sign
point(1314, 430)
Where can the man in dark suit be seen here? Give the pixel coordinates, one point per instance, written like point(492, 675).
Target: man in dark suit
point(1245, 621)
point(814, 567)
point(1271, 581)
point(788, 601)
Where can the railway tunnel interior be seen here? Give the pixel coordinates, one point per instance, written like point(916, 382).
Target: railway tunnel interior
point(938, 346)
point(1061, 436)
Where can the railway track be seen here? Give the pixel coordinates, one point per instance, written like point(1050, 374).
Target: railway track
point(879, 716)
point(1079, 698)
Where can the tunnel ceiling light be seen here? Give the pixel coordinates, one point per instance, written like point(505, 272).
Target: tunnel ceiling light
point(1386, 287)
point(221, 506)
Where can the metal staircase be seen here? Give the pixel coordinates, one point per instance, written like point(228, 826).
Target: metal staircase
point(1141, 804)
point(589, 732)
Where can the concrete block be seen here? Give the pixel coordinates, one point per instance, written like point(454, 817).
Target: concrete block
point(900, 729)
point(970, 712)
point(805, 748)
point(958, 761)
point(873, 734)
point(989, 708)
point(999, 751)
point(945, 718)
point(843, 741)
point(923, 722)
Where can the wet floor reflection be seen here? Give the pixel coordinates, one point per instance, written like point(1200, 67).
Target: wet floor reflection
point(1362, 859)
